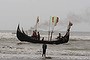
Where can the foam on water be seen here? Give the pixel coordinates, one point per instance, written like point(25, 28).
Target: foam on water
point(7, 35)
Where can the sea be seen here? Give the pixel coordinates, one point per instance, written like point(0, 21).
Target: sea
point(78, 47)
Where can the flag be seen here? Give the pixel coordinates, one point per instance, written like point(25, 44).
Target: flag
point(38, 19)
point(70, 24)
point(54, 20)
point(57, 20)
point(37, 22)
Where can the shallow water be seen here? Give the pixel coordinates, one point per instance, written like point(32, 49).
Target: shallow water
point(78, 48)
point(11, 48)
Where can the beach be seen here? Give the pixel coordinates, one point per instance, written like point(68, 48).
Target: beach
point(78, 48)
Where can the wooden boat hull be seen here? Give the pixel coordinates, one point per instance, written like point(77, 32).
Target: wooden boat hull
point(23, 37)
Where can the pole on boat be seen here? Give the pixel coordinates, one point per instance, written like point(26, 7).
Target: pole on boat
point(49, 29)
point(48, 35)
point(51, 36)
point(54, 23)
point(37, 22)
point(52, 32)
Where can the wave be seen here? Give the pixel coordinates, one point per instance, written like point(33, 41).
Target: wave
point(7, 35)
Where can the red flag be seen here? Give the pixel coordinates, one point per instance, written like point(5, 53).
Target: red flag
point(52, 19)
point(57, 20)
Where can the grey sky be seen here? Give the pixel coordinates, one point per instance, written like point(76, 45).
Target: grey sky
point(25, 12)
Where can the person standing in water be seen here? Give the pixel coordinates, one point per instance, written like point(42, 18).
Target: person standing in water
point(44, 47)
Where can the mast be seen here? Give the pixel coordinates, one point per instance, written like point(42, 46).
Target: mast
point(54, 23)
point(49, 31)
point(37, 22)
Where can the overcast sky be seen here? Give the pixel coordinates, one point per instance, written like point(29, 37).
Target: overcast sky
point(25, 12)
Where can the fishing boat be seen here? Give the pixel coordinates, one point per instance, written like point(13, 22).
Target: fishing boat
point(24, 37)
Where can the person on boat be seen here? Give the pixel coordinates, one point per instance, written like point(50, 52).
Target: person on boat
point(44, 47)
point(43, 39)
point(34, 35)
point(59, 36)
point(38, 36)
